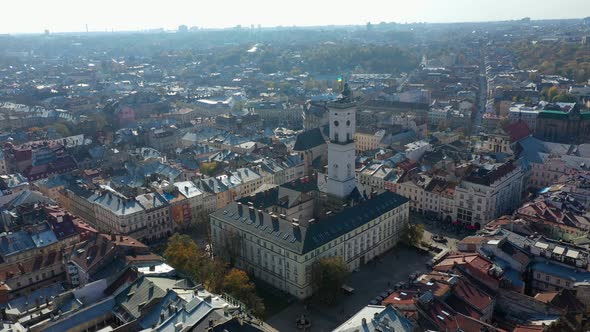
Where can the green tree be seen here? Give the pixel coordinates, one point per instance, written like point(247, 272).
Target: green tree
point(100, 119)
point(327, 277)
point(564, 98)
point(413, 234)
point(62, 129)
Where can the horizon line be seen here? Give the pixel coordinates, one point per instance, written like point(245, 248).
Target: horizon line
point(256, 26)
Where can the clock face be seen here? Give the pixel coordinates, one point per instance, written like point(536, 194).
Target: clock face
point(336, 123)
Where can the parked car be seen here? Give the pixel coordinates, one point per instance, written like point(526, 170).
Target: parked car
point(439, 238)
point(347, 289)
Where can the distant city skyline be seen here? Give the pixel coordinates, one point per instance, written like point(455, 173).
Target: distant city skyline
point(29, 16)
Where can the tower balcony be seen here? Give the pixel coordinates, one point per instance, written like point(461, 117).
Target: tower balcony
point(341, 104)
point(348, 141)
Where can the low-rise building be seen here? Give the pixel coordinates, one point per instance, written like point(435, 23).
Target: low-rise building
point(415, 150)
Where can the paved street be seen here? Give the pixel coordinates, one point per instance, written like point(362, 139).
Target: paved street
point(369, 282)
point(439, 228)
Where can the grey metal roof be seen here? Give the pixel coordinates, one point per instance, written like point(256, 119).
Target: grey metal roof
point(303, 239)
point(309, 140)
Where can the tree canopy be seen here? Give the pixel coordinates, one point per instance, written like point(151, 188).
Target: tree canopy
point(563, 58)
point(185, 255)
point(327, 277)
point(413, 234)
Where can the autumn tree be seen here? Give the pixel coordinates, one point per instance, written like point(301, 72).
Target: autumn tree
point(237, 284)
point(185, 255)
point(182, 252)
point(209, 168)
point(327, 277)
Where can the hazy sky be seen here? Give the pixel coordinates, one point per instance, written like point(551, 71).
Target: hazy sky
point(73, 15)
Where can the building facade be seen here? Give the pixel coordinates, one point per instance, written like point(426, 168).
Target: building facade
point(487, 194)
point(282, 251)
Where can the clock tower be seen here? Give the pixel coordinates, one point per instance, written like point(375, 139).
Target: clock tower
point(341, 148)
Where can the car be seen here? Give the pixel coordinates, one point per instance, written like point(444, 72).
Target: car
point(389, 291)
point(347, 289)
point(439, 238)
point(374, 302)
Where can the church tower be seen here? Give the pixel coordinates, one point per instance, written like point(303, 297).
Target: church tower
point(341, 148)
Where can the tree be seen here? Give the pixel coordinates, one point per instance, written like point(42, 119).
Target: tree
point(210, 272)
point(100, 119)
point(185, 255)
point(564, 98)
point(413, 234)
point(231, 246)
point(209, 168)
point(62, 129)
point(327, 277)
point(237, 284)
point(182, 252)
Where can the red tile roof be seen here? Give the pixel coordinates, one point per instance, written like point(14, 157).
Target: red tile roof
point(447, 319)
point(470, 293)
point(400, 298)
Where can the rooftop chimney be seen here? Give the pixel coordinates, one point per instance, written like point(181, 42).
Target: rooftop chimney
point(240, 208)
